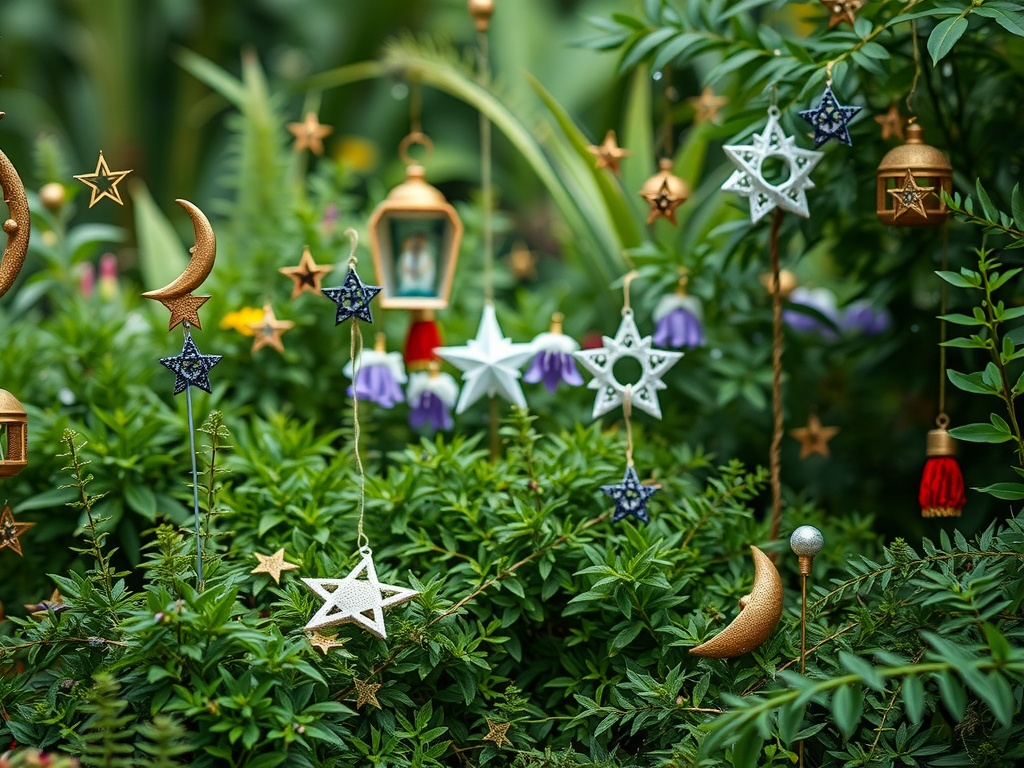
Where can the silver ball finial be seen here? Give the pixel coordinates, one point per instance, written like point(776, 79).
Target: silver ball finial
point(806, 541)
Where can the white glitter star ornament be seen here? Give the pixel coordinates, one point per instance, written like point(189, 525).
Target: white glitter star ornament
point(627, 343)
point(356, 600)
point(790, 193)
point(490, 363)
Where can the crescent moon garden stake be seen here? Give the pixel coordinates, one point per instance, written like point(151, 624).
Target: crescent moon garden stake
point(14, 451)
point(191, 368)
point(359, 597)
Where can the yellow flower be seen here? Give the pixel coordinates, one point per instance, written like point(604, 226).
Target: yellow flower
point(241, 319)
point(357, 153)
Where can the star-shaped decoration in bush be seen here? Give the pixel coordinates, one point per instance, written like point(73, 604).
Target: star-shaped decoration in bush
point(273, 565)
point(830, 119)
point(269, 331)
point(707, 106)
point(748, 180)
point(353, 298)
point(366, 693)
point(10, 531)
point(490, 363)
point(53, 604)
point(310, 134)
point(523, 262)
point(630, 496)
point(352, 599)
point(910, 197)
point(191, 368)
point(103, 182)
point(814, 437)
point(627, 344)
point(184, 309)
point(663, 204)
point(892, 123)
point(608, 152)
point(842, 10)
point(497, 732)
point(308, 275)
point(324, 643)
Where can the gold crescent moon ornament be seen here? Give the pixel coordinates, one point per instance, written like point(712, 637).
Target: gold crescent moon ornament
point(759, 612)
point(17, 227)
point(177, 295)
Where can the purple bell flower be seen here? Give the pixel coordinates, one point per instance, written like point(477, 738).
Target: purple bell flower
point(378, 377)
point(552, 361)
point(821, 300)
point(863, 317)
point(678, 322)
point(431, 399)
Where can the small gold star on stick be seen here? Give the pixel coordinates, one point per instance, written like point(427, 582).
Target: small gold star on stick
point(814, 437)
point(892, 123)
point(10, 531)
point(366, 693)
point(309, 134)
point(523, 262)
point(842, 10)
point(608, 152)
point(184, 309)
point(663, 204)
point(707, 106)
point(909, 197)
point(307, 275)
point(273, 564)
point(496, 733)
point(323, 643)
point(103, 182)
point(269, 331)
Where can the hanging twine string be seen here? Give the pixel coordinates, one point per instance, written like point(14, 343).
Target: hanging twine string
point(917, 65)
point(415, 108)
point(629, 278)
point(486, 184)
point(942, 420)
point(828, 73)
point(355, 352)
point(775, 452)
point(627, 415)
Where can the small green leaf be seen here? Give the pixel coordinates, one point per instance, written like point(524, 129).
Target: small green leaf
point(979, 433)
point(846, 708)
point(956, 279)
point(944, 37)
point(913, 698)
point(746, 751)
point(991, 213)
point(953, 695)
point(970, 382)
point(958, 319)
point(1005, 491)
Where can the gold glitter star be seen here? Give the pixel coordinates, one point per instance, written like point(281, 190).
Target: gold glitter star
point(269, 331)
point(707, 106)
point(273, 564)
point(10, 530)
point(184, 309)
point(892, 123)
point(910, 197)
point(366, 693)
point(310, 134)
point(103, 182)
point(523, 262)
point(307, 275)
point(608, 153)
point(842, 10)
point(814, 437)
point(324, 643)
point(496, 733)
point(663, 204)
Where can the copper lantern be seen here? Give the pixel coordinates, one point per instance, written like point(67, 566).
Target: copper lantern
point(911, 180)
point(14, 421)
point(415, 235)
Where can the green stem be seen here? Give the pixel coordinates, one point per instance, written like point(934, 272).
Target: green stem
point(997, 358)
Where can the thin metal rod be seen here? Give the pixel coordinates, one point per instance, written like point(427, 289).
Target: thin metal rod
point(803, 650)
point(775, 453)
point(195, 488)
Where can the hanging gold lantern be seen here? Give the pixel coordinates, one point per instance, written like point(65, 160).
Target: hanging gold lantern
point(14, 421)
point(664, 192)
point(911, 180)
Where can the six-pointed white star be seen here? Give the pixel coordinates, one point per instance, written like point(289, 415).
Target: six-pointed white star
point(352, 599)
point(790, 194)
point(490, 363)
point(627, 343)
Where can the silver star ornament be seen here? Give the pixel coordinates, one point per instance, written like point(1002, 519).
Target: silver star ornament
point(627, 343)
point(790, 193)
point(356, 600)
point(490, 363)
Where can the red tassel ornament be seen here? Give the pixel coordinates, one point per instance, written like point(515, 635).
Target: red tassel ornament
point(424, 337)
point(942, 482)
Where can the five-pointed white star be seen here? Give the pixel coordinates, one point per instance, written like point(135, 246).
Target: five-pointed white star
point(748, 180)
point(356, 600)
point(490, 363)
point(627, 343)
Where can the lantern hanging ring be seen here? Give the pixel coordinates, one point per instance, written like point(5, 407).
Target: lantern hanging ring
point(416, 137)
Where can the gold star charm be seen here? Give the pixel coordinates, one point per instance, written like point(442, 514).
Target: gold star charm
point(273, 564)
point(366, 693)
point(608, 153)
point(663, 204)
point(814, 437)
point(323, 643)
point(103, 182)
point(892, 123)
point(707, 106)
point(523, 262)
point(269, 331)
point(910, 197)
point(842, 10)
point(10, 530)
point(307, 275)
point(310, 134)
point(496, 733)
point(184, 309)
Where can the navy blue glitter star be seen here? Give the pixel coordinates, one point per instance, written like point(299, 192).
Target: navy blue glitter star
point(353, 298)
point(191, 368)
point(630, 496)
point(829, 119)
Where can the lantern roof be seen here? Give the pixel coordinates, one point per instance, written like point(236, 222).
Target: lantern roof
point(10, 407)
point(914, 155)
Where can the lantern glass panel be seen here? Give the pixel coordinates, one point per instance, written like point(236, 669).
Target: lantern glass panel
point(415, 257)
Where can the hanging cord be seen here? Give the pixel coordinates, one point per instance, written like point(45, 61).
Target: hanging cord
point(486, 184)
point(355, 353)
point(627, 415)
point(775, 453)
point(415, 108)
point(917, 65)
point(942, 420)
point(629, 278)
point(666, 125)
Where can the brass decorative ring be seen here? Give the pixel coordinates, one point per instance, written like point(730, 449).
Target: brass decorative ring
point(416, 137)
